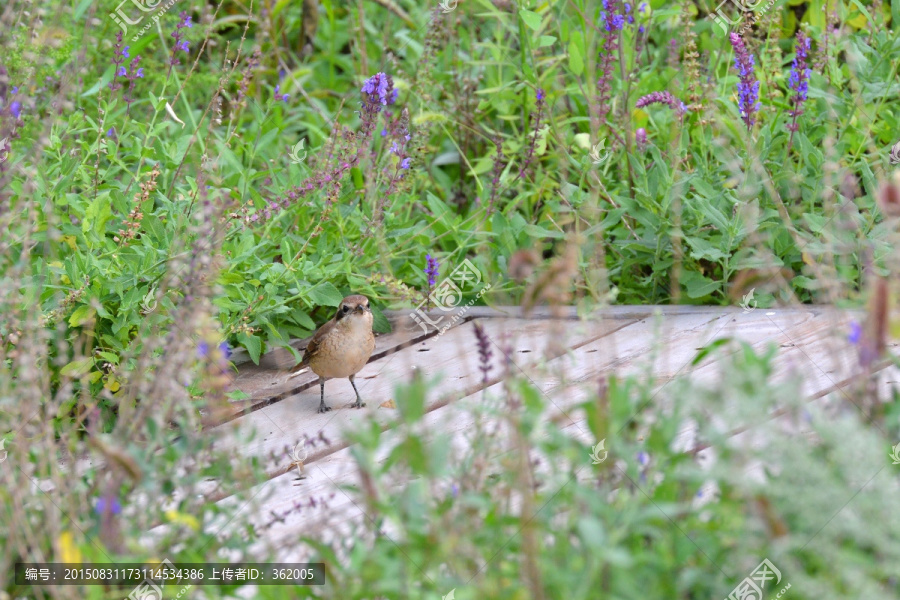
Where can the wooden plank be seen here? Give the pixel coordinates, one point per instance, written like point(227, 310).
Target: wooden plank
point(270, 382)
point(633, 341)
point(453, 354)
point(797, 333)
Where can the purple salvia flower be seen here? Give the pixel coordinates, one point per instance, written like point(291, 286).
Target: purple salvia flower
point(108, 504)
point(178, 34)
point(609, 50)
point(377, 91)
point(404, 164)
point(640, 136)
point(663, 97)
point(855, 332)
point(380, 88)
point(748, 86)
point(117, 60)
point(613, 20)
point(484, 352)
point(431, 269)
point(15, 108)
point(278, 96)
point(14, 91)
point(798, 82)
point(133, 72)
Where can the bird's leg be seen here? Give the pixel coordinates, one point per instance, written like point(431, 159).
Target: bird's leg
point(359, 402)
point(322, 406)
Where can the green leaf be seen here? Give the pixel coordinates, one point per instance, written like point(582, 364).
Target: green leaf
point(238, 395)
point(253, 344)
point(79, 10)
point(576, 61)
point(96, 216)
point(325, 294)
point(82, 314)
point(380, 323)
point(539, 232)
point(77, 368)
point(532, 19)
point(698, 286)
point(706, 350)
point(357, 175)
point(302, 319)
point(703, 249)
point(109, 357)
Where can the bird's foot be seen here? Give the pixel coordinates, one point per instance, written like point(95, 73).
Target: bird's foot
point(324, 408)
point(359, 404)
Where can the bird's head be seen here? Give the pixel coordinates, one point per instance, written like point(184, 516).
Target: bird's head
point(355, 309)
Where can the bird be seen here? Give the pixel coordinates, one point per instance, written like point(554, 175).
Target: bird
point(341, 347)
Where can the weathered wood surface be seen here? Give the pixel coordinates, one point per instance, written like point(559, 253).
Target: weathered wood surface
point(563, 357)
point(453, 356)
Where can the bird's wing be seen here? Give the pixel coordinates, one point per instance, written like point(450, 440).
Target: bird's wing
point(313, 346)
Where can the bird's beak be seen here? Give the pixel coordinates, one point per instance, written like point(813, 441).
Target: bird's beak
point(361, 308)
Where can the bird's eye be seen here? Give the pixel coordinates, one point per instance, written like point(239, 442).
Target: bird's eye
point(346, 308)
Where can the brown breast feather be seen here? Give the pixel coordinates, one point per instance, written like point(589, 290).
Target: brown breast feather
point(313, 346)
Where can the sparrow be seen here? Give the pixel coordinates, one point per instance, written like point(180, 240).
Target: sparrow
point(341, 347)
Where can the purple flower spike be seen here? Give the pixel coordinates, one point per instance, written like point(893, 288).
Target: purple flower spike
point(178, 34)
point(380, 88)
point(640, 136)
point(108, 504)
point(431, 269)
point(663, 98)
point(748, 86)
point(612, 19)
point(798, 82)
